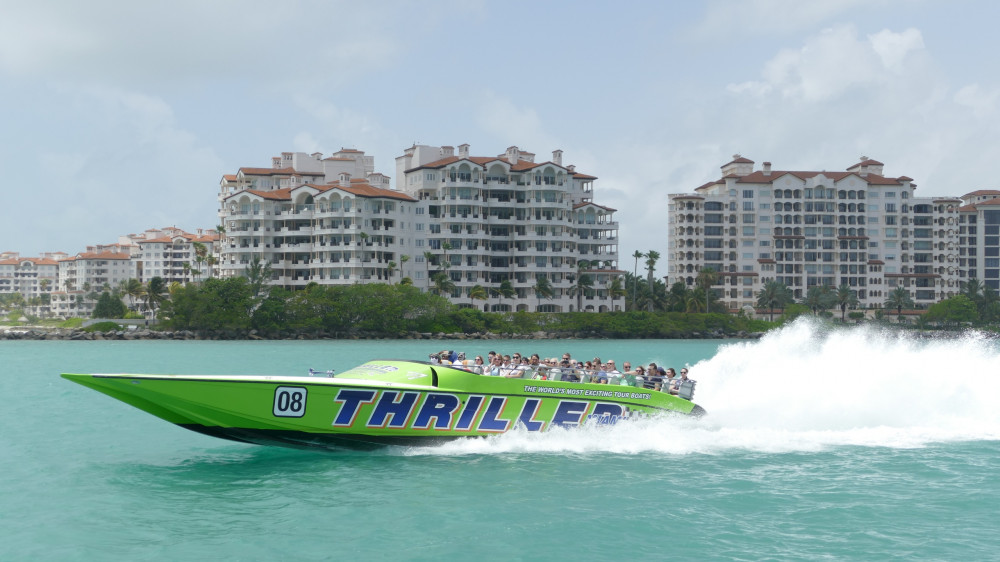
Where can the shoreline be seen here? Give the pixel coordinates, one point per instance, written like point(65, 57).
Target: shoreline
point(74, 334)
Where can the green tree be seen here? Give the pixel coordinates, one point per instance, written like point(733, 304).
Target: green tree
point(478, 292)
point(616, 290)
point(652, 257)
point(899, 299)
point(952, 311)
point(819, 298)
point(135, 292)
point(705, 279)
point(774, 295)
point(543, 289)
point(635, 274)
point(443, 285)
point(845, 297)
point(156, 293)
point(109, 306)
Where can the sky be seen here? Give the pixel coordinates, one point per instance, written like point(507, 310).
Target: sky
point(119, 117)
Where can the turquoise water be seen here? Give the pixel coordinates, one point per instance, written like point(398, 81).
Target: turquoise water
point(845, 445)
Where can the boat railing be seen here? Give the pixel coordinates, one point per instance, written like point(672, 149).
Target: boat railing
point(684, 390)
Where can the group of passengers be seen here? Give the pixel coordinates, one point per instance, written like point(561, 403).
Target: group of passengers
point(518, 366)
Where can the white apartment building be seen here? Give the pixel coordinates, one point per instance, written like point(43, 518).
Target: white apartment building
point(31, 277)
point(174, 255)
point(313, 219)
point(808, 228)
point(98, 271)
point(501, 218)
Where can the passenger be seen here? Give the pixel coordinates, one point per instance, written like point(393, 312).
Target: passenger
point(523, 370)
point(680, 380)
point(496, 368)
point(459, 360)
point(555, 370)
point(478, 366)
point(627, 368)
point(569, 373)
point(640, 377)
point(668, 380)
point(601, 376)
point(614, 375)
point(655, 376)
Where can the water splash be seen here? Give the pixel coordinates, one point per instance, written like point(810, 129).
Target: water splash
point(807, 387)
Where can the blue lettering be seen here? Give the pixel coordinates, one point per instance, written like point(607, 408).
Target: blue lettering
point(528, 413)
point(440, 408)
point(395, 406)
point(489, 422)
point(569, 413)
point(607, 414)
point(352, 401)
point(468, 416)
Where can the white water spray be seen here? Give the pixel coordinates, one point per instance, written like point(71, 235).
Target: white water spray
point(805, 388)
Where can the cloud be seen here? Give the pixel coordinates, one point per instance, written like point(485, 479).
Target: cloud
point(759, 17)
point(511, 124)
point(834, 62)
point(982, 101)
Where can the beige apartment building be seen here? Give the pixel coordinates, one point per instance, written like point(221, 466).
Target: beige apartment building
point(856, 227)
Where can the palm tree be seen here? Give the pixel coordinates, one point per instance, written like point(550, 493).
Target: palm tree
point(505, 290)
point(616, 290)
point(899, 299)
point(819, 298)
point(772, 295)
point(156, 293)
point(651, 258)
point(705, 279)
point(543, 289)
point(635, 273)
point(583, 283)
point(390, 268)
point(973, 289)
point(845, 297)
point(478, 292)
point(428, 258)
point(134, 291)
point(443, 285)
point(402, 262)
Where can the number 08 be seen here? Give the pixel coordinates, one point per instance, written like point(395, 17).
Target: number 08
point(289, 402)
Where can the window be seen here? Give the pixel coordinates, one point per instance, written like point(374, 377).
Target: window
point(748, 205)
point(748, 194)
point(890, 207)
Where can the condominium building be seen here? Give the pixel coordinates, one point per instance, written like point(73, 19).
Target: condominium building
point(979, 237)
point(326, 220)
point(506, 218)
point(174, 255)
point(857, 227)
point(31, 277)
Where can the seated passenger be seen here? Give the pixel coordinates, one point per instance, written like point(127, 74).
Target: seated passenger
point(477, 366)
point(668, 377)
point(640, 377)
point(680, 380)
point(601, 376)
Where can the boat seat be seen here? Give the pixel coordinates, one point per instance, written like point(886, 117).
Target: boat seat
point(686, 389)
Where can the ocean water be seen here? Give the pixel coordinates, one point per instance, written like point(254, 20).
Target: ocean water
point(850, 444)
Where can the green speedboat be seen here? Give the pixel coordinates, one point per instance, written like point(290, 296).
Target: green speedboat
point(384, 402)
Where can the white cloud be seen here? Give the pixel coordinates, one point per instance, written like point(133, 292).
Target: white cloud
point(758, 17)
point(982, 102)
point(519, 126)
point(834, 62)
point(893, 48)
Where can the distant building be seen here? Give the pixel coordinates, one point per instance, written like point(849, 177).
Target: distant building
point(491, 219)
point(313, 219)
point(858, 228)
point(335, 220)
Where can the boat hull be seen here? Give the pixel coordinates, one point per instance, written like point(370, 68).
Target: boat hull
point(377, 404)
